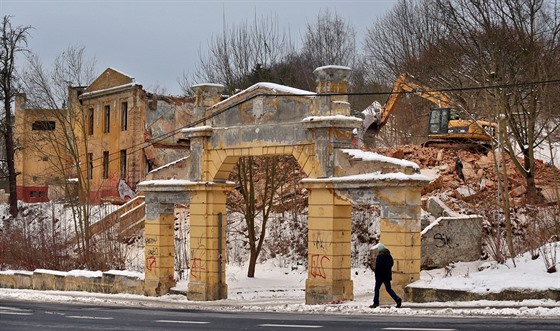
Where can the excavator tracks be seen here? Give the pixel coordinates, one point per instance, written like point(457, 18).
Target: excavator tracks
point(471, 146)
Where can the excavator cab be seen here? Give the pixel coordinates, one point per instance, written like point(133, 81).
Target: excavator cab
point(447, 129)
point(439, 120)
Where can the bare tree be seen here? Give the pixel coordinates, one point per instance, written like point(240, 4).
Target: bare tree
point(329, 40)
point(49, 89)
point(239, 49)
point(460, 44)
point(400, 39)
point(260, 180)
point(400, 42)
point(68, 143)
point(493, 58)
point(13, 41)
point(508, 43)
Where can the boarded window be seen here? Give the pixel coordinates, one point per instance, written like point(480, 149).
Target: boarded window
point(105, 164)
point(90, 121)
point(43, 126)
point(107, 122)
point(124, 116)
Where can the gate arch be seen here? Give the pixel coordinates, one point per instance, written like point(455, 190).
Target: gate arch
point(317, 129)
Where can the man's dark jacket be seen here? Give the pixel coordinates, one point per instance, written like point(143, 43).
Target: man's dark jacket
point(383, 265)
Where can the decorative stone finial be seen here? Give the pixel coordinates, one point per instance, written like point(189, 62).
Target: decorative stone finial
point(332, 79)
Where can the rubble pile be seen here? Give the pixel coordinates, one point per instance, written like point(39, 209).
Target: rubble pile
point(480, 182)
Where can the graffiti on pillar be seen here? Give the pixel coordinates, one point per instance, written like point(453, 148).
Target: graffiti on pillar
point(151, 253)
point(317, 269)
point(197, 267)
point(151, 263)
point(197, 263)
point(319, 241)
point(151, 259)
point(442, 240)
point(150, 240)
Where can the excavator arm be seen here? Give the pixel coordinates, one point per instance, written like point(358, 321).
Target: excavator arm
point(376, 116)
point(446, 128)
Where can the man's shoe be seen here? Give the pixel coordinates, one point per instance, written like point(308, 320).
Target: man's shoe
point(373, 306)
point(399, 302)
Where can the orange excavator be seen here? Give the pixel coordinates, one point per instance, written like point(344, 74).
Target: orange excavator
point(446, 128)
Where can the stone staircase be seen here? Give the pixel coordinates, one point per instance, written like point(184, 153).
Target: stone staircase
point(350, 162)
point(128, 220)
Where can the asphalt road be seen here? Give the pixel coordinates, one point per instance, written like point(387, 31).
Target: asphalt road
point(27, 315)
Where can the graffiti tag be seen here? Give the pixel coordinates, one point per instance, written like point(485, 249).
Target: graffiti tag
point(317, 268)
point(442, 240)
point(197, 267)
point(150, 240)
point(150, 263)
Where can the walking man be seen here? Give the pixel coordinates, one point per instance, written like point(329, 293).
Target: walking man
point(383, 275)
point(459, 168)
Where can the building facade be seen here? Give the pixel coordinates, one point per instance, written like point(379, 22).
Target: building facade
point(38, 157)
point(121, 130)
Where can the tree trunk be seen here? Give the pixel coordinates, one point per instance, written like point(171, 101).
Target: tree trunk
point(533, 196)
point(9, 137)
point(252, 264)
point(507, 214)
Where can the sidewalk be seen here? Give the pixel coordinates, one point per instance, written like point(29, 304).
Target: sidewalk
point(278, 301)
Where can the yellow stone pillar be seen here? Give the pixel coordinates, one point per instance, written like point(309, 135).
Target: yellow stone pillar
point(400, 233)
point(208, 242)
point(159, 249)
point(329, 250)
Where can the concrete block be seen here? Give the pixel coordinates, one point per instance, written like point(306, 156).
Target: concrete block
point(24, 279)
point(7, 280)
point(421, 295)
point(48, 280)
point(450, 239)
point(437, 208)
point(16, 279)
point(77, 280)
point(115, 281)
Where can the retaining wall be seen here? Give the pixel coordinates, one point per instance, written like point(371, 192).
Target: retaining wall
point(423, 295)
point(90, 281)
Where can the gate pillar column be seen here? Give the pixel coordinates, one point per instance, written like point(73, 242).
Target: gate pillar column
point(159, 248)
point(207, 280)
point(159, 233)
point(400, 233)
point(329, 238)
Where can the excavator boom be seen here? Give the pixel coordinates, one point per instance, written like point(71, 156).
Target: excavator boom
point(445, 126)
point(402, 86)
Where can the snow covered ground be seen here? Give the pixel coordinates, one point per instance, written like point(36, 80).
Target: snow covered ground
point(283, 290)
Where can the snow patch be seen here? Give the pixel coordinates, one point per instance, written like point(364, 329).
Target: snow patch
point(371, 156)
point(126, 273)
point(85, 273)
point(331, 118)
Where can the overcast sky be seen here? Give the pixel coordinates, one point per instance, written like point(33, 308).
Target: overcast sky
point(155, 41)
